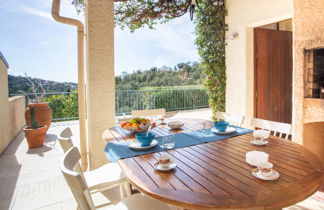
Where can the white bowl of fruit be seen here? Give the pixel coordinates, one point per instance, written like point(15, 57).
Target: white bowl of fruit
point(137, 124)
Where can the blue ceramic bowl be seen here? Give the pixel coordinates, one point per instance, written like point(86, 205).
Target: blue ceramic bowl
point(143, 139)
point(221, 126)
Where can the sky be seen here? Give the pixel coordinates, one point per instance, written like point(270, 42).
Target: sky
point(33, 43)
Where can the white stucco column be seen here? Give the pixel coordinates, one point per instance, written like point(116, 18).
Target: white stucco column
point(100, 79)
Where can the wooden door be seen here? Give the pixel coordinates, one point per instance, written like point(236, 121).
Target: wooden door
point(273, 75)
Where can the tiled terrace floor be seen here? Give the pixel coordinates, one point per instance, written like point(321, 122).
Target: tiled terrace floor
point(30, 178)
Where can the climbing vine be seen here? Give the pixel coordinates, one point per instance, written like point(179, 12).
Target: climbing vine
point(210, 40)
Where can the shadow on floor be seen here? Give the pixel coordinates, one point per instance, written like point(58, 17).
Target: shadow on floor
point(10, 169)
point(49, 144)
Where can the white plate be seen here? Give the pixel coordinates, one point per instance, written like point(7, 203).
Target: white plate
point(259, 143)
point(257, 173)
point(158, 167)
point(228, 130)
point(137, 146)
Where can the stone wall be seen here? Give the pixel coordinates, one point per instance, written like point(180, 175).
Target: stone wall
point(308, 26)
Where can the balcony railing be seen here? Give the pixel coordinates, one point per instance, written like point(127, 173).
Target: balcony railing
point(65, 104)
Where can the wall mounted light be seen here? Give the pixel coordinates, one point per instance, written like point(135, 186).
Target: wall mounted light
point(233, 36)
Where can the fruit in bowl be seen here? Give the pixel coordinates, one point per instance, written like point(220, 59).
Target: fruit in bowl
point(137, 124)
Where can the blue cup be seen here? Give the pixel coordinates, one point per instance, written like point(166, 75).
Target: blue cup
point(143, 139)
point(221, 125)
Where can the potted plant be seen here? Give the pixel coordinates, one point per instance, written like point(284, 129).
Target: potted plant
point(42, 109)
point(35, 134)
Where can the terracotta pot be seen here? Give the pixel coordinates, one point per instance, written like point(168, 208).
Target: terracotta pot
point(35, 137)
point(43, 114)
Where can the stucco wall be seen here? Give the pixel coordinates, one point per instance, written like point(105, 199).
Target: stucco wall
point(100, 76)
point(16, 115)
point(4, 106)
point(243, 16)
point(11, 110)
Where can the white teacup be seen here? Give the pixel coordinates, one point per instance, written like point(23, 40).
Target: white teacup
point(260, 135)
point(164, 161)
point(255, 157)
point(265, 168)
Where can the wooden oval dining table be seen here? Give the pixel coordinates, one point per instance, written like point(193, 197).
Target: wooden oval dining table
point(215, 175)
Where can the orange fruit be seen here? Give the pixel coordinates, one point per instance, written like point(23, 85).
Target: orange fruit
point(135, 125)
point(128, 124)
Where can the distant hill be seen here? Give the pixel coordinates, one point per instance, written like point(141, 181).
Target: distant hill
point(20, 83)
point(183, 74)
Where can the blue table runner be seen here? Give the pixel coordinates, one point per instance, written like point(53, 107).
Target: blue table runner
point(120, 150)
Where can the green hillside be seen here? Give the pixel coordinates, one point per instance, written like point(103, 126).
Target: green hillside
point(183, 74)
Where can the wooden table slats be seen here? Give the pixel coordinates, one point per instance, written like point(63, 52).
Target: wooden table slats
point(215, 175)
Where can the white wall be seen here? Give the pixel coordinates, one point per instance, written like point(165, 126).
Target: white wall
point(243, 16)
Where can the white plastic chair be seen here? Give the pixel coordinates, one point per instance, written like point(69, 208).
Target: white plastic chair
point(277, 128)
point(82, 194)
point(233, 119)
point(101, 179)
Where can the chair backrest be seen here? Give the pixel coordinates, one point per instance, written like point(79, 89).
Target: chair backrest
point(75, 179)
point(66, 144)
point(279, 129)
point(233, 119)
point(65, 139)
point(148, 112)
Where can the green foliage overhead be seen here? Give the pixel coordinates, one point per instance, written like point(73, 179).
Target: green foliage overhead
point(211, 43)
point(135, 14)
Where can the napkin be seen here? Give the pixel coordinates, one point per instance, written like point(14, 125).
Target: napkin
point(255, 157)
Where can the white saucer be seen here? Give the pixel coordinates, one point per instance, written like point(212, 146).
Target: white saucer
point(228, 130)
point(137, 146)
point(257, 173)
point(158, 167)
point(259, 143)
